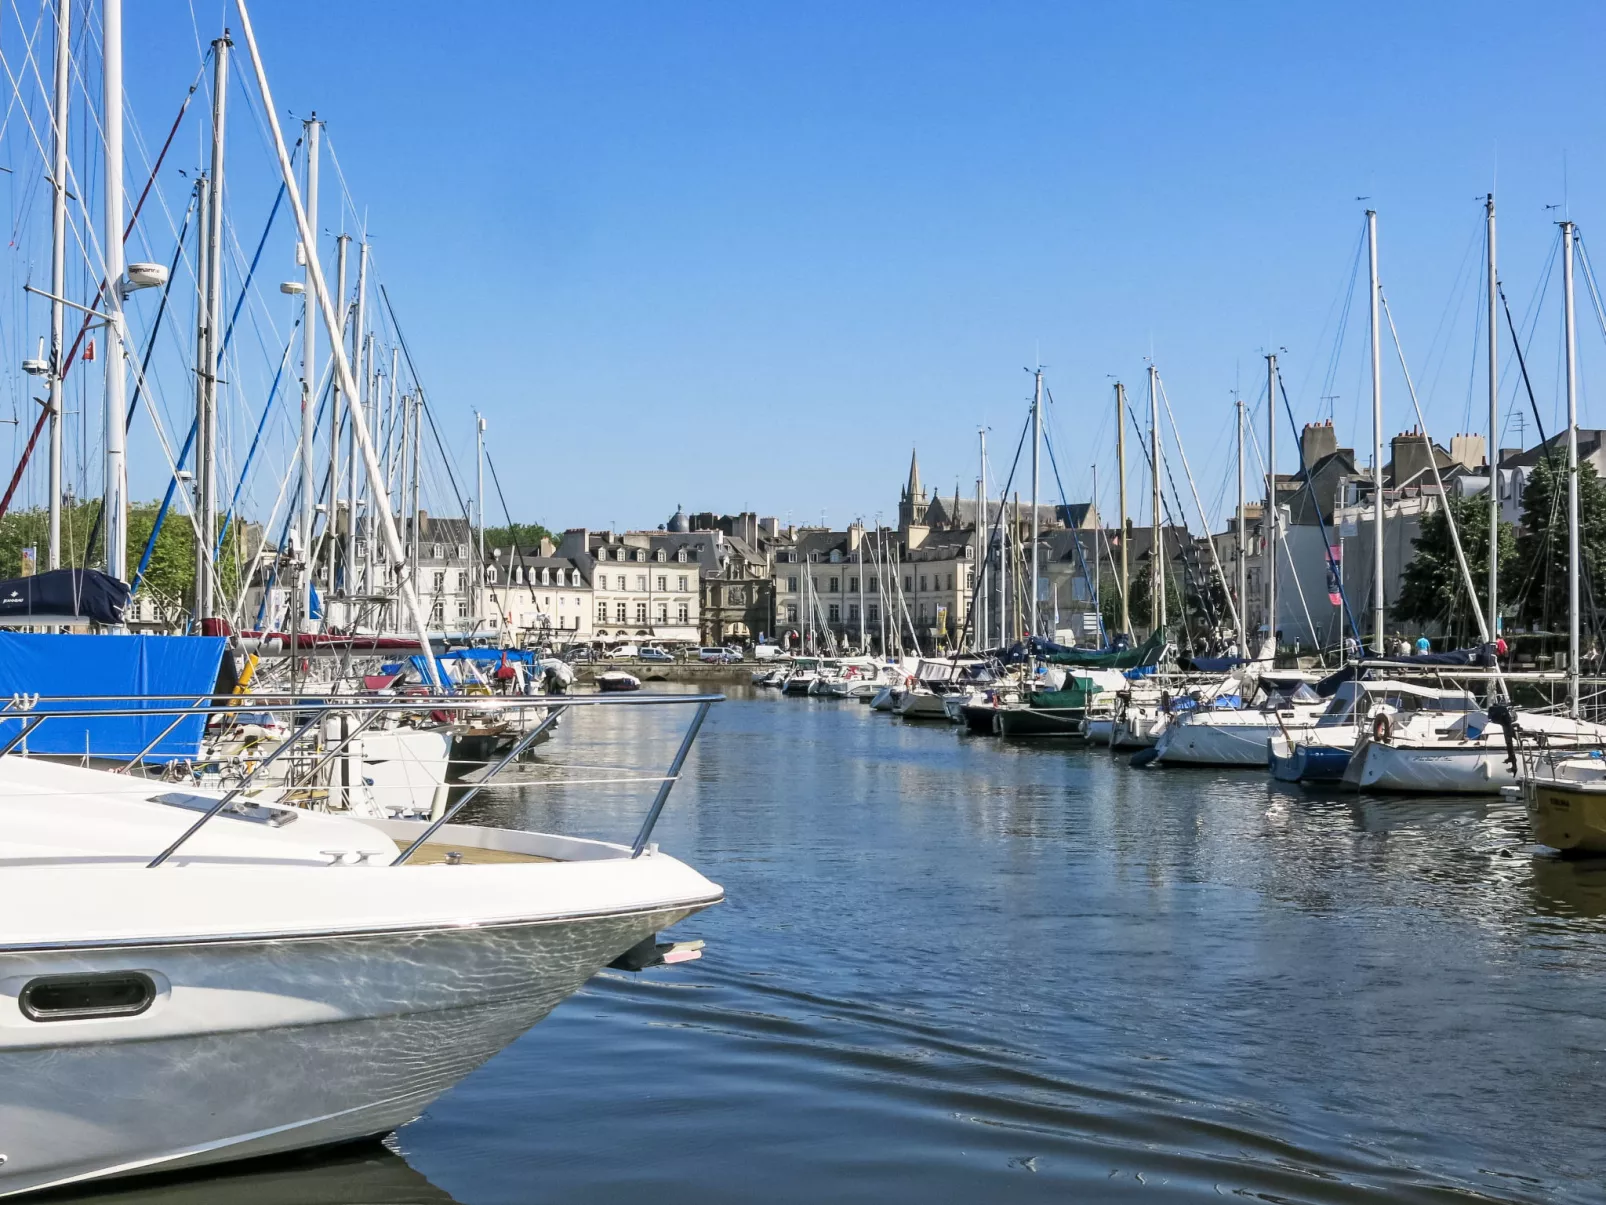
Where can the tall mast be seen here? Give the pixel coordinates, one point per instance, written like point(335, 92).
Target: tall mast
point(1098, 521)
point(1272, 516)
point(309, 367)
point(380, 424)
point(479, 507)
point(58, 263)
point(418, 446)
point(115, 498)
point(337, 402)
point(983, 550)
point(1157, 555)
point(1037, 438)
point(1494, 432)
point(203, 276)
point(359, 366)
point(206, 432)
point(1243, 547)
point(1572, 470)
point(1120, 460)
point(859, 553)
point(1377, 438)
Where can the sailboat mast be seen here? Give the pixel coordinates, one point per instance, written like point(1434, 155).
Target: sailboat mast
point(114, 502)
point(58, 264)
point(1377, 437)
point(1035, 623)
point(1272, 548)
point(203, 274)
point(1157, 554)
point(859, 556)
point(1243, 547)
point(360, 373)
point(337, 401)
point(983, 552)
point(1573, 640)
point(309, 368)
point(1494, 430)
point(1120, 460)
point(212, 291)
point(479, 507)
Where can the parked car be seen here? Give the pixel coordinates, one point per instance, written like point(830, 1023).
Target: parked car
point(655, 655)
point(582, 653)
point(623, 653)
point(720, 656)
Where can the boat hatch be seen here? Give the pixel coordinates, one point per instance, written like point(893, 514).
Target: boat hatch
point(237, 810)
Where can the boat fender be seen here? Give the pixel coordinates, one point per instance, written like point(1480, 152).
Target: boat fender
point(1382, 730)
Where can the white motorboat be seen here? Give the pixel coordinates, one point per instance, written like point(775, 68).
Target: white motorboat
point(218, 978)
point(617, 680)
point(889, 696)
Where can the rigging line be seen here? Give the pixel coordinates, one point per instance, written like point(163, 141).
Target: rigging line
point(998, 523)
point(1176, 436)
point(423, 400)
point(1444, 497)
point(228, 335)
point(1333, 567)
point(513, 527)
point(1288, 555)
point(1076, 537)
point(1161, 521)
point(250, 456)
point(1336, 355)
point(39, 425)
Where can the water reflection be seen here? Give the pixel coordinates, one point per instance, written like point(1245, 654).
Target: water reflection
point(367, 1173)
point(951, 969)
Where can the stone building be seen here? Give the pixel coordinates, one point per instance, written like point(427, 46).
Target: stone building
point(541, 598)
point(646, 585)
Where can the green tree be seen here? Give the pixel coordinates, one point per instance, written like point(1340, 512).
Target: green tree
point(524, 535)
point(1142, 597)
point(1432, 590)
point(1541, 590)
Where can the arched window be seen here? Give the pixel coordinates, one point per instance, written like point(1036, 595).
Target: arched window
point(546, 576)
point(641, 554)
point(619, 554)
point(836, 556)
point(681, 556)
point(662, 555)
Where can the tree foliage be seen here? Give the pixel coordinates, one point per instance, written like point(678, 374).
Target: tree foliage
point(1432, 590)
point(1541, 588)
point(169, 578)
point(522, 535)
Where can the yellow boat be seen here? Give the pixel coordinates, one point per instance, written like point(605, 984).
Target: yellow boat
point(1569, 816)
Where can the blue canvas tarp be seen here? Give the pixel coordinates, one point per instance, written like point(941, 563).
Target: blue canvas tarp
point(64, 669)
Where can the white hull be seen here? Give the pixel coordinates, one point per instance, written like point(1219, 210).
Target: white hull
point(921, 705)
point(262, 1047)
point(1100, 730)
point(1205, 741)
point(1465, 769)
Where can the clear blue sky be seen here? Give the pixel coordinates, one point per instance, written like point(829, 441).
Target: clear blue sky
point(743, 256)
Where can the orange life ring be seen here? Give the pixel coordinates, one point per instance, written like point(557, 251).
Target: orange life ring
point(1382, 730)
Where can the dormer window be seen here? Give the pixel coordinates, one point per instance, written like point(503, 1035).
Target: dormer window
point(640, 555)
point(836, 556)
point(681, 556)
point(661, 556)
point(437, 551)
point(970, 552)
point(619, 554)
point(813, 557)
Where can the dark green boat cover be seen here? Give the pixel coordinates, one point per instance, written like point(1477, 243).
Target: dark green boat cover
point(1146, 653)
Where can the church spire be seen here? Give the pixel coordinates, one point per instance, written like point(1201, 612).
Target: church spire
point(913, 491)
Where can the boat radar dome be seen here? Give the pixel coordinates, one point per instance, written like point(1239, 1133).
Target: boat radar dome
point(293, 287)
point(144, 276)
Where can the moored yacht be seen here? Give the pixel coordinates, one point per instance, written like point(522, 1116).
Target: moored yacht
point(1221, 728)
point(222, 976)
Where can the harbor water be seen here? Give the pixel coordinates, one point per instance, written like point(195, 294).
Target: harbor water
point(951, 969)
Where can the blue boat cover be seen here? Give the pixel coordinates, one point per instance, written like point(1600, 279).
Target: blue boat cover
point(63, 669)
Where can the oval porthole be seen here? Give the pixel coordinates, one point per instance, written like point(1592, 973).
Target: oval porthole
point(85, 997)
